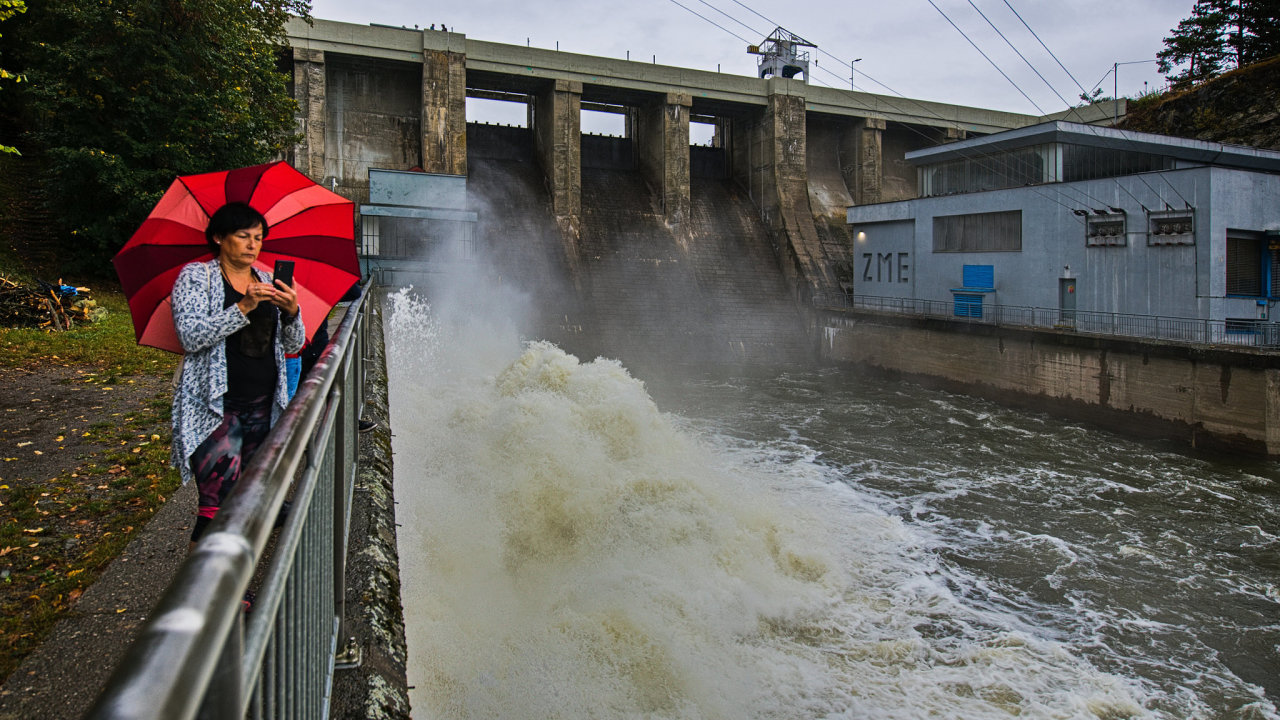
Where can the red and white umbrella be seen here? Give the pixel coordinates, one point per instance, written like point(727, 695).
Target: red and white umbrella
point(307, 224)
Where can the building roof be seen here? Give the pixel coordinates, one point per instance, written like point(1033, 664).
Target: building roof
point(1059, 131)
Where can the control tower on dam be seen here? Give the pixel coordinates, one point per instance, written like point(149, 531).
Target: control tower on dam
point(632, 245)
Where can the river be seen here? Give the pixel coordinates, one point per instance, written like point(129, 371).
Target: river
point(577, 543)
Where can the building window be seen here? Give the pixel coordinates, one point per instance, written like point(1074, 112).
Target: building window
point(369, 235)
point(1244, 264)
point(989, 171)
point(1083, 162)
point(1173, 227)
point(978, 232)
point(1105, 230)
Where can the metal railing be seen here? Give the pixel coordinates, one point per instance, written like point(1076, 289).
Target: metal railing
point(199, 654)
point(1150, 327)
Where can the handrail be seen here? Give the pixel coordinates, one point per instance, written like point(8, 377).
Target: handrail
point(1197, 331)
point(193, 656)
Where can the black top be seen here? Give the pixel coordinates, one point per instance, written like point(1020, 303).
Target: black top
point(251, 357)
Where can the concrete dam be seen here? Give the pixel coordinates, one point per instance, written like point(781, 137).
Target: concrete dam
point(707, 290)
point(642, 247)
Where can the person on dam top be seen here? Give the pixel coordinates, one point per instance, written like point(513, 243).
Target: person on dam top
point(236, 324)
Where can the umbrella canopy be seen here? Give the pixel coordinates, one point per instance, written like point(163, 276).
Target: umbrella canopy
point(307, 224)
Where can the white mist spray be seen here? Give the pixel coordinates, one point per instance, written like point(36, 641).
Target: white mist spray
point(569, 551)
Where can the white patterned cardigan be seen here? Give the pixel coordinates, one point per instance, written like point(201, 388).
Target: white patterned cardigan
point(203, 325)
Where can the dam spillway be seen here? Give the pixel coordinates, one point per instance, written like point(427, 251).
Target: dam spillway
point(626, 282)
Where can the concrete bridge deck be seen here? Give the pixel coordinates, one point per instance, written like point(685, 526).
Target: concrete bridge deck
point(512, 68)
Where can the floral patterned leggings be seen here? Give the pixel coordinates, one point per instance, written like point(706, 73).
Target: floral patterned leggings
point(218, 461)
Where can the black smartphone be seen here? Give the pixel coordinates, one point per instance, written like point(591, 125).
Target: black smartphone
point(283, 271)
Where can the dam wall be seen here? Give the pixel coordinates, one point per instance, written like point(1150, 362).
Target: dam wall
point(627, 283)
point(788, 158)
point(1207, 396)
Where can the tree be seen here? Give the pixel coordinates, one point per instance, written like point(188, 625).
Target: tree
point(9, 8)
point(1220, 35)
point(127, 94)
point(1257, 31)
point(1196, 42)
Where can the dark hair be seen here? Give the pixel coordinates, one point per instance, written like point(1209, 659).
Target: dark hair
point(230, 218)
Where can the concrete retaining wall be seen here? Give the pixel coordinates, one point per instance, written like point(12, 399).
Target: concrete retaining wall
point(1209, 397)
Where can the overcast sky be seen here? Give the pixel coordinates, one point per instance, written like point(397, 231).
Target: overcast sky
point(906, 47)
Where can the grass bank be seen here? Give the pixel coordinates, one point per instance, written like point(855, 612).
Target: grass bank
point(62, 520)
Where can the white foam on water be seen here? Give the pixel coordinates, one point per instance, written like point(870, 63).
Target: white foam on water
point(570, 551)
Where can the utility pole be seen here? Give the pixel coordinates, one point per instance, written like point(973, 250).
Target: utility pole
point(1115, 88)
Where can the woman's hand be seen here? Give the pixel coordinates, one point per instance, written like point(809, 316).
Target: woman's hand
point(278, 294)
point(255, 293)
point(285, 297)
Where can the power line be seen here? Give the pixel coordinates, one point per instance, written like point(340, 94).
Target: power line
point(713, 22)
point(984, 55)
point(775, 24)
point(1019, 53)
point(713, 7)
point(1046, 49)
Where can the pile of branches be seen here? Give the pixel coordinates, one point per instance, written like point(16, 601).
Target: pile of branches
point(45, 305)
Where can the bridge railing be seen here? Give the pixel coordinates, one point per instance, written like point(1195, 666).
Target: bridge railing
point(200, 654)
point(1246, 333)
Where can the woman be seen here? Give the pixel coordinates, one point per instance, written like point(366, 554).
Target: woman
point(235, 324)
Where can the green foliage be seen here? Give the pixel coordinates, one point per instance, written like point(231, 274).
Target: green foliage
point(127, 94)
point(1093, 98)
point(1218, 36)
point(9, 8)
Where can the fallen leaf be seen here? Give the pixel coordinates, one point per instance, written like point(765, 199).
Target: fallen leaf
point(24, 444)
point(75, 572)
point(34, 530)
point(6, 550)
point(120, 610)
point(38, 452)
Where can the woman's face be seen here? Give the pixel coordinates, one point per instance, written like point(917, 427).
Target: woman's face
point(241, 247)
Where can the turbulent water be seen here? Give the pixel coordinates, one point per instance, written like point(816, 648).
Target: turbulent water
point(578, 544)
